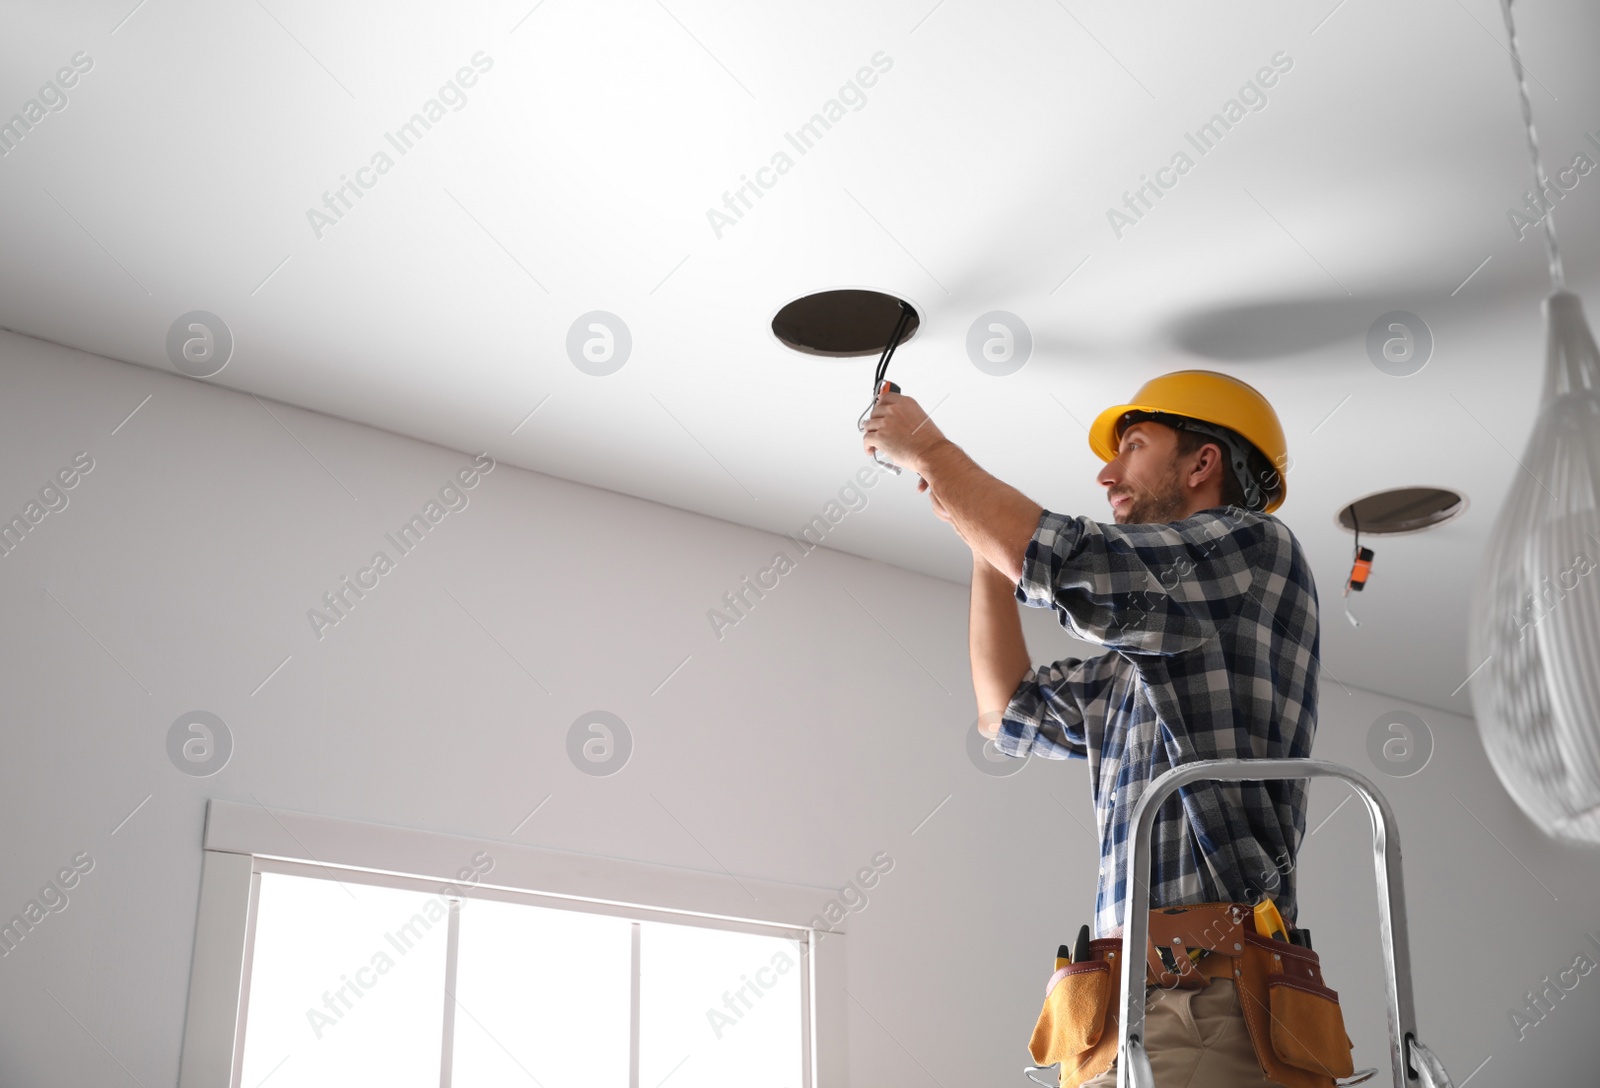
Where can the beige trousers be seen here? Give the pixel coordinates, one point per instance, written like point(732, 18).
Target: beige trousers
point(1196, 1039)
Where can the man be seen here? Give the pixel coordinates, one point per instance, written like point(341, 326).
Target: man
point(1208, 609)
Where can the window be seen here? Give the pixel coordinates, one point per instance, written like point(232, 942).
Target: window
point(330, 1000)
point(310, 974)
point(349, 983)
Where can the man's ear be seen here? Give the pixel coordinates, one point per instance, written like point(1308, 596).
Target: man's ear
point(1210, 464)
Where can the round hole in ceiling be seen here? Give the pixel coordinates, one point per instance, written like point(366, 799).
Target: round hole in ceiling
point(1402, 510)
point(842, 323)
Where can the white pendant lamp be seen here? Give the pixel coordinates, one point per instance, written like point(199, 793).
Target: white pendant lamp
point(1535, 627)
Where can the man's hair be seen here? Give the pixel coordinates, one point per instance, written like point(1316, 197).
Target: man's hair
point(1190, 442)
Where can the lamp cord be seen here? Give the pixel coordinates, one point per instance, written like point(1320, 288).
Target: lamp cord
point(1558, 277)
point(888, 351)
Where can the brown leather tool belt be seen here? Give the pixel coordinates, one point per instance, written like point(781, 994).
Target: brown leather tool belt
point(1293, 1017)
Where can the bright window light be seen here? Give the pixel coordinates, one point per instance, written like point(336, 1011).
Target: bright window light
point(346, 986)
point(718, 1009)
point(542, 997)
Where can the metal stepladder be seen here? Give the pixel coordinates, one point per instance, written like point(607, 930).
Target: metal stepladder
point(1412, 1063)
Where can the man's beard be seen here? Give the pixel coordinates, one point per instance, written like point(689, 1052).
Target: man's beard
point(1156, 505)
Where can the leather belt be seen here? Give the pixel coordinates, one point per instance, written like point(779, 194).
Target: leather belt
point(1205, 969)
point(1216, 927)
point(1198, 975)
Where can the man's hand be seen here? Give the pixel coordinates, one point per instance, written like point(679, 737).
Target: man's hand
point(900, 430)
point(995, 519)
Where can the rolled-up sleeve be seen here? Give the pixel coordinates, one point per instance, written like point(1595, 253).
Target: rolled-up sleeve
point(1047, 713)
point(1153, 589)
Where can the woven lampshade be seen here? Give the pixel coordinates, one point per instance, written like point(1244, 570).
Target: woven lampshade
point(1536, 610)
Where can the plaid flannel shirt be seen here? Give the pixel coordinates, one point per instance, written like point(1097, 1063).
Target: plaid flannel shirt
point(1211, 623)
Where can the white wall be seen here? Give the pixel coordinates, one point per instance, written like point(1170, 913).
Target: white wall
point(803, 742)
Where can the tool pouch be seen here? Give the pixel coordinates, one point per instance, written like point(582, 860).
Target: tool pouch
point(1075, 1026)
point(1293, 1017)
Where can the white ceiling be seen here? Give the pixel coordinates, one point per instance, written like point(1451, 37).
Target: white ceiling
point(975, 177)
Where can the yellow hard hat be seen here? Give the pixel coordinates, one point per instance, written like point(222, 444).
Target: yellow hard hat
point(1209, 397)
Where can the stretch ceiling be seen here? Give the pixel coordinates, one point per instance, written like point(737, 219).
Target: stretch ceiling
point(559, 232)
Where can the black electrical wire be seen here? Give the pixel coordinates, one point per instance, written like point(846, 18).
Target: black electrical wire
point(888, 352)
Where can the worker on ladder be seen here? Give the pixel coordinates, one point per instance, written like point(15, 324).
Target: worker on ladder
point(1208, 607)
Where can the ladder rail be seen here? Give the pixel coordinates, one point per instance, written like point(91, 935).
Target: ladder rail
point(1133, 1068)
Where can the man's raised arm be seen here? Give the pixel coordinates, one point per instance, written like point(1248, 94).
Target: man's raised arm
point(999, 652)
point(995, 519)
point(997, 522)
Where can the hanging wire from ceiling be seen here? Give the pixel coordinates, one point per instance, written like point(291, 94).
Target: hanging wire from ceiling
point(1558, 278)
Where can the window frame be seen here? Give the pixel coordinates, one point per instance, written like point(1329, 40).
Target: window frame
point(242, 841)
